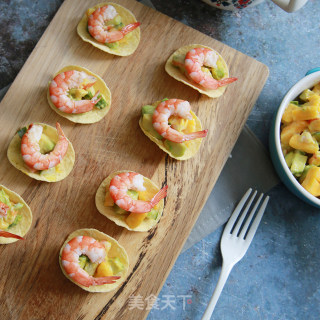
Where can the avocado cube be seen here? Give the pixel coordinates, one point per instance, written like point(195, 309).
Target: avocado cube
point(306, 94)
point(153, 214)
point(113, 45)
point(46, 144)
point(289, 157)
point(147, 109)
point(102, 103)
point(90, 267)
point(83, 261)
point(298, 164)
point(217, 73)
point(116, 265)
point(148, 126)
point(177, 149)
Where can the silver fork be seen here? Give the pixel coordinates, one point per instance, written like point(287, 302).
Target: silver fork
point(233, 244)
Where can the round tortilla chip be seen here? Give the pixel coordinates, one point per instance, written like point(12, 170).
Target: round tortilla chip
point(54, 174)
point(116, 250)
point(192, 146)
point(127, 45)
point(178, 75)
point(26, 217)
point(119, 219)
point(95, 114)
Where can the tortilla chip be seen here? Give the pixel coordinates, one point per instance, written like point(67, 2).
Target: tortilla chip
point(119, 219)
point(95, 114)
point(127, 45)
point(116, 250)
point(192, 147)
point(26, 217)
point(178, 75)
point(57, 173)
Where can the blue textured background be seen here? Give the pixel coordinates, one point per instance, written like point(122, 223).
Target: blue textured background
point(279, 276)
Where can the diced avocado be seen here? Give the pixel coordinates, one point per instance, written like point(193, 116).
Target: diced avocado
point(119, 26)
point(113, 45)
point(102, 102)
point(18, 206)
point(88, 96)
point(46, 144)
point(217, 73)
point(165, 99)
point(306, 94)
point(16, 221)
point(83, 261)
point(115, 21)
point(116, 265)
point(153, 214)
point(178, 61)
point(90, 267)
point(304, 173)
point(133, 194)
point(298, 164)
point(148, 126)
point(177, 149)
point(289, 157)
point(295, 103)
point(77, 93)
point(4, 198)
point(147, 109)
point(22, 131)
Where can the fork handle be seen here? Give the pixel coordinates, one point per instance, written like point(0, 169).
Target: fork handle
point(225, 271)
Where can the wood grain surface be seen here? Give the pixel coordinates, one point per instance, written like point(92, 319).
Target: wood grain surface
point(32, 285)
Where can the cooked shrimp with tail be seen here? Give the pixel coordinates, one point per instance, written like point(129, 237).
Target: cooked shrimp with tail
point(94, 250)
point(107, 33)
point(121, 183)
point(174, 107)
point(30, 148)
point(61, 85)
point(198, 58)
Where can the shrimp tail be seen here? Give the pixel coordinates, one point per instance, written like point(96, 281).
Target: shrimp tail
point(159, 196)
point(7, 234)
point(104, 280)
point(130, 27)
point(195, 135)
point(226, 81)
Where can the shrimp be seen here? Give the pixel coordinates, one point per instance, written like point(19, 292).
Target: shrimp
point(3, 209)
point(30, 148)
point(121, 183)
point(178, 108)
point(198, 57)
point(102, 33)
point(94, 250)
point(7, 234)
point(63, 82)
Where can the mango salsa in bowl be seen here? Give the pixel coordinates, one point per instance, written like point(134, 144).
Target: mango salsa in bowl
point(295, 138)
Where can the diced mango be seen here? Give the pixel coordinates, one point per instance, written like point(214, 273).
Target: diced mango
point(103, 270)
point(314, 100)
point(304, 142)
point(314, 126)
point(306, 113)
point(293, 128)
point(177, 123)
point(315, 159)
point(312, 181)
point(191, 126)
point(287, 115)
point(134, 219)
point(316, 89)
point(108, 201)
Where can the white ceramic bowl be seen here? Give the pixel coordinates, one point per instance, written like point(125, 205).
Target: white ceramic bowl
point(312, 77)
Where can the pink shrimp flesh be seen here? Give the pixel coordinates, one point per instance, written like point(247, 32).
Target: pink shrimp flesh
point(94, 250)
point(61, 84)
point(30, 148)
point(174, 107)
point(7, 234)
point(125, 181)
point(98, 30)
point(3, 209)
point(199, 57)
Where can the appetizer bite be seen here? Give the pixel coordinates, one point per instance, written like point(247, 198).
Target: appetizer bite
point(93, 260)
point(131, 200)
point(79, 95)
point(172, 125)
point(300, 138)
point(15, 216)
point(42, 152)
point(111, 28)
point(201, 68)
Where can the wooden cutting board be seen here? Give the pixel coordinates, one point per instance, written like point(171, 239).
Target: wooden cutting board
point(32, 285)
